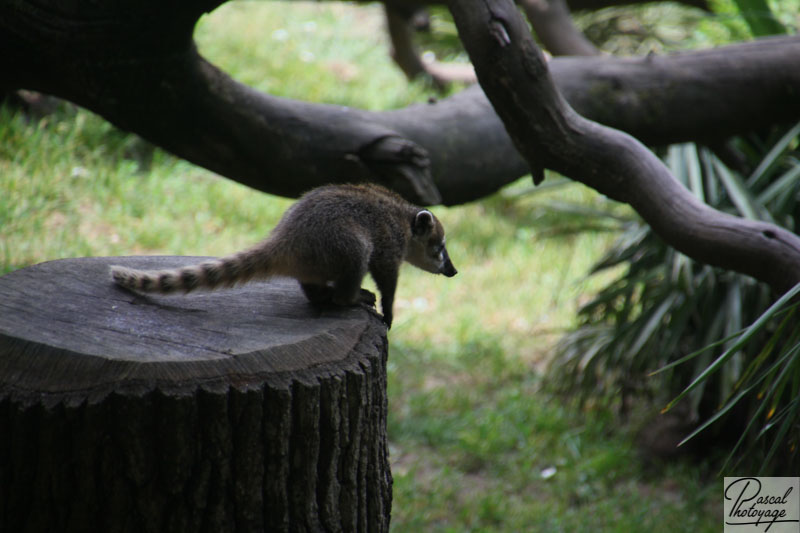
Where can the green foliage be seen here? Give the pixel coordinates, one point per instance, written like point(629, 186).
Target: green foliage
point(770, 383)
point(664, 305)
point(660, 27)
point(759, 17)
point(744, 19)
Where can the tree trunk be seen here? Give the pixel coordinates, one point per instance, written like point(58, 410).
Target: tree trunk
point(240, 410)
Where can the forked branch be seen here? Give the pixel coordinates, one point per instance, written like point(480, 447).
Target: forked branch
point(548, 132)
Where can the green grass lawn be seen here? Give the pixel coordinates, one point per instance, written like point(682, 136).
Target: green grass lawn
point(477, 441)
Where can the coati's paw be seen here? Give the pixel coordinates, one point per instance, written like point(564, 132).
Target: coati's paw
point(366, 297)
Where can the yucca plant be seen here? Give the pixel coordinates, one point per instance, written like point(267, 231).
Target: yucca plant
point(770, 383)
point(741, 371)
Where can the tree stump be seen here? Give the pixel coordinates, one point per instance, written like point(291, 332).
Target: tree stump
point(245, 409)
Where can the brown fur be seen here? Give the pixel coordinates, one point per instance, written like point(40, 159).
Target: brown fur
point(328, 240)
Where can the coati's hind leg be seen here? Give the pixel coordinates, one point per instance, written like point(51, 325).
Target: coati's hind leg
point(352, 258)
point(347, 289)
point(323, 294)
point(317, 294)
point(347, 266)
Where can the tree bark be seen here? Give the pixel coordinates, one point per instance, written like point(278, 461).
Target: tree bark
point(241, 410)
point(553, 24)
point(135, 64)
point(548, 132)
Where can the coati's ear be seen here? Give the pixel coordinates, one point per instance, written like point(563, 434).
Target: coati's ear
point(423, 222)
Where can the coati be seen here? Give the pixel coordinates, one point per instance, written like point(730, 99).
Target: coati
point(328, 241)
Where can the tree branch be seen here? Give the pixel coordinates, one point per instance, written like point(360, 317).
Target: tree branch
point(553, 24)
point(704, 95)
point(514, 74)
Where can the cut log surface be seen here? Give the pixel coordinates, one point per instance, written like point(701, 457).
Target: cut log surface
point(244, 409)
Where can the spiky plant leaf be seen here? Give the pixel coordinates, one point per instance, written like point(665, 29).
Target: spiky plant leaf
point(687, 331)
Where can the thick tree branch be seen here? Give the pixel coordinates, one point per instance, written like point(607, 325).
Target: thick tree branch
point(514, 74)
point(136, 66)
point(704, 96)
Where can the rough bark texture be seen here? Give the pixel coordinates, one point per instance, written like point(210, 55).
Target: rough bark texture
point(242, 410)
point(515, 76)
point(135, 64)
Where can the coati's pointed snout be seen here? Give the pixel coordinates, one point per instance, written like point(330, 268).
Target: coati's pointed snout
point(447, 265)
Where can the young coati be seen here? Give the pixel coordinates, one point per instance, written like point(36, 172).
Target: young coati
point(328, 241)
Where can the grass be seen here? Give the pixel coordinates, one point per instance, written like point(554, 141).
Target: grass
point(477, 446)
point(477, 442)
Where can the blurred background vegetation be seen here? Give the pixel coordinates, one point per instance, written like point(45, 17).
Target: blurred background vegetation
point(520, 392)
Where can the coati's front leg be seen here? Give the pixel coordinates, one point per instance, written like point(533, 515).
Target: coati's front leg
point(385, 276)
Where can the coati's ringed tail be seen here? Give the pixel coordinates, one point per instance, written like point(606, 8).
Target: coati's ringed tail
point(256, 262)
